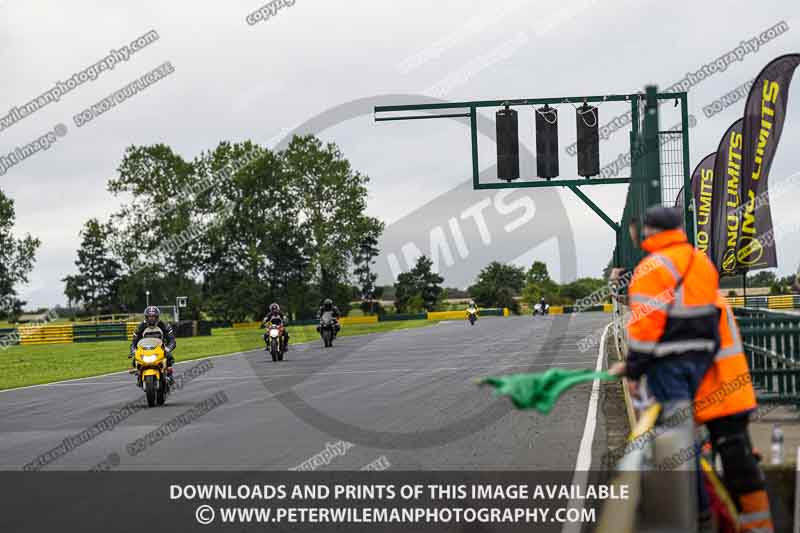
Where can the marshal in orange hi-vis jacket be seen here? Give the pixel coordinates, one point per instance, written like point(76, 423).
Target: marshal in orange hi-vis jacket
point(672, 299)
point(726, 388)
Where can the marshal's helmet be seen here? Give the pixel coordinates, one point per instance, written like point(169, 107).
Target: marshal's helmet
point(151, 315)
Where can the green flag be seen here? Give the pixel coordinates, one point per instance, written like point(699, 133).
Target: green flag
point(541, 390)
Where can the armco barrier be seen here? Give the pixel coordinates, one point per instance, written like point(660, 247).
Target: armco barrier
point(735, 301)
point(462, 314)
point(404, 316)
point(778, 301)
point(370, 319)
point(99, 332)
point(9, 337)
point(446, 315)
point(45, 334)
point(130, 327)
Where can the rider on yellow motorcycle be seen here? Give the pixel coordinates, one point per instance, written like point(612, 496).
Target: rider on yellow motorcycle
point(152, 326)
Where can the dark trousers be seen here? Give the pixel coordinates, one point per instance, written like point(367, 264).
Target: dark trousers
point(731, 440)
point(676, 379)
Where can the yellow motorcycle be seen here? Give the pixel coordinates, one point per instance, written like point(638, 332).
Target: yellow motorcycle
point(472, 315)
point(151, 370)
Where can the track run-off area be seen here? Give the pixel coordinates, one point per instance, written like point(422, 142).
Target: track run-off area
point(402, 400)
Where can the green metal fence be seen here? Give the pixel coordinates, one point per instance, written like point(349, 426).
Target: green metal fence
point(772, 344)
point(659, 168)
point(100, 332)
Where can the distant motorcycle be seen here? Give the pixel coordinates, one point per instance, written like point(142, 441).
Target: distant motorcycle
point(472, 316)
point(274, 338)
point(538, 309)
point(327, 328)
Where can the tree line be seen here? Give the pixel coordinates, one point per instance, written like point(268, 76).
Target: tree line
point(241, 226)
point(234, 229)
point(497, 285)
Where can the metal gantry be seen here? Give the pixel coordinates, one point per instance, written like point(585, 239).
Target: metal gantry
point(645, 179)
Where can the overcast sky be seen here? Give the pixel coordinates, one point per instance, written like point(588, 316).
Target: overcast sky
point(325, 63)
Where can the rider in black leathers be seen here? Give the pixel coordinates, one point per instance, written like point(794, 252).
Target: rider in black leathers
point(275, 312)
point(327, 306)
point(152, 321)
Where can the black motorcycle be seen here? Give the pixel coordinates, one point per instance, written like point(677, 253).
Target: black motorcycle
point(327, 328)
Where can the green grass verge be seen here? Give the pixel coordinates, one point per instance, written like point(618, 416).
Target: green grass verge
point(32, 365)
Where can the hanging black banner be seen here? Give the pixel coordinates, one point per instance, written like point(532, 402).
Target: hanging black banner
point(726, 200)
point(702, 183)
point(764, 114)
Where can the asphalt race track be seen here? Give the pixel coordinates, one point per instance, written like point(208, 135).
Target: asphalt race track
point(400, 400)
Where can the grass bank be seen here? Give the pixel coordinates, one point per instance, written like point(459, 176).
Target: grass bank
point(33, 365)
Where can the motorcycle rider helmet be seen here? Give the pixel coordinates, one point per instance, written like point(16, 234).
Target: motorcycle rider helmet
point(274, 308)
point(328, 303)
point(151, 315)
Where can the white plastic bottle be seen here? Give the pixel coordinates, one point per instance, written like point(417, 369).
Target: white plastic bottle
point(777, 445)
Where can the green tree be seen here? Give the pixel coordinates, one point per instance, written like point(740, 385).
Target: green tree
point(429, 283)
point(497, 285)
point(159, 183)
point(537, 274)
point(418, 289)
point(98, 276)
point(776, 289)
point(242, 225)
point(364, 259)
point(788, 281)
point(404, 289)
point(763, 278)
point(17, 256)
point(580, 288)
point(72, 289)
point(331, 199)
point(253, 251)
point(538, 284)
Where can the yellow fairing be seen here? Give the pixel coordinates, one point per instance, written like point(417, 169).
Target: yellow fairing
point(149, 358)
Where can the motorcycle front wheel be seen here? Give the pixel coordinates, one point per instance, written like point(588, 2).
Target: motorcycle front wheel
point(150, 390)
point(161, 392)
point(327, 339)
point(273, 350)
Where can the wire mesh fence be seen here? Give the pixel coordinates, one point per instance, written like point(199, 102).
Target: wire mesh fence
point(671, 162)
